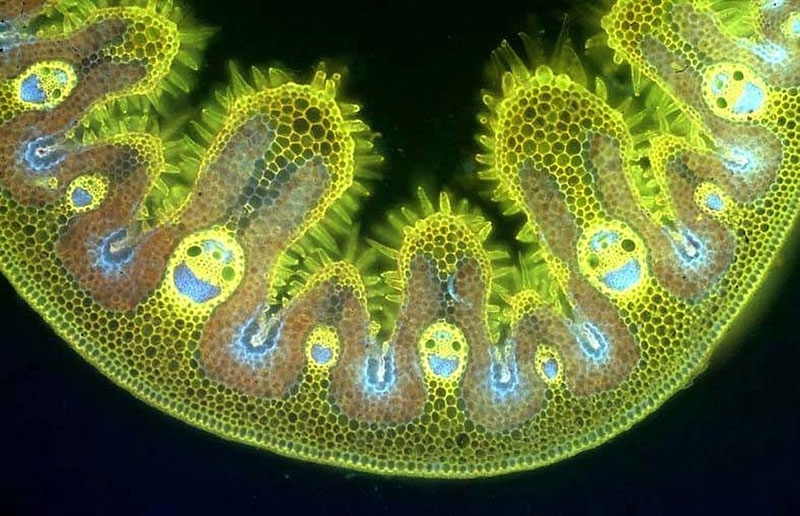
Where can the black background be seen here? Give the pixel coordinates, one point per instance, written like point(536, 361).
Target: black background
point(72, 442)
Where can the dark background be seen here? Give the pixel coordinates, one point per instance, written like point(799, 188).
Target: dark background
point(72, 442)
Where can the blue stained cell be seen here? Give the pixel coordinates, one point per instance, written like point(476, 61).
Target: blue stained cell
point(81, 197)
point(443, 367)
point(796, 26)
point(30, 90)
point(452, 291)
point(603, 239)
point(321, 354)
point(625, 277)
point(593, 343)
point(61, 77)
point(550, 368)
point(719, 83)
point(43, 153)
point(442, 335)
point(218, 250)
point(739, 160)
point(773, 4)
point(751, 99)
point(113, 256)
point(191, 286)
point(770, 52)
point(690, 250)
point(451, 287)
point(714, 202)
point(379, 373)
point(253, 341)
point(503, 372)
point(9, 37)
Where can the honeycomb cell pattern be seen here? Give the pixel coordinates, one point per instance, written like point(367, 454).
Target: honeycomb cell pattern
point(205, 270)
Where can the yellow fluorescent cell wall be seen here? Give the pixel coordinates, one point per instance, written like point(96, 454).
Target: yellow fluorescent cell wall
point(215, 268)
